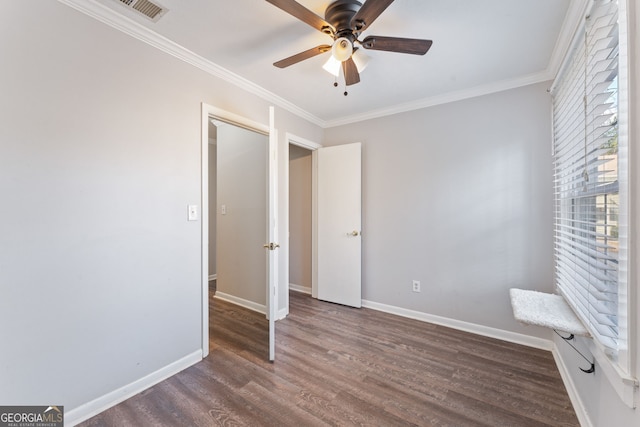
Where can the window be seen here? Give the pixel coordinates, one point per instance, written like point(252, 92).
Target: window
point(590, 182)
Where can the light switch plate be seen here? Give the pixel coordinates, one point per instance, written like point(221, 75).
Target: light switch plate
point(192, 212)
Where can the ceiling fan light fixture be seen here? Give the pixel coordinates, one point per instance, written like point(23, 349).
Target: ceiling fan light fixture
point(332, 66)
point(342, 49)
point(344, 20)
point(361, 60)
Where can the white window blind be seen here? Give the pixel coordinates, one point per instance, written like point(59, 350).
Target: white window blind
point(586, 177)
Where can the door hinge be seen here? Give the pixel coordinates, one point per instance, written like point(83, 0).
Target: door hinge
point(271, 246)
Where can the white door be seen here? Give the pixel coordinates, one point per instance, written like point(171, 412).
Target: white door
point(272, 227)
point(339, 208)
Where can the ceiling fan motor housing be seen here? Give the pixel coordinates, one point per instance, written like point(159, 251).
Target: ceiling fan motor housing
point(339, 15)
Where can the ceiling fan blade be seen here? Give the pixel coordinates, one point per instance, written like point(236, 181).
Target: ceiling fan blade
point(302, 56)
point(351, 75)
point(368, 13)
point(397, 44)
point(302, 13)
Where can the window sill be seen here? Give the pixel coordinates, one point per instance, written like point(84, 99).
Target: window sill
point(625, 386)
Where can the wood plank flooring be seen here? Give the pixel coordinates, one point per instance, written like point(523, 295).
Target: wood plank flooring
point(343, 366)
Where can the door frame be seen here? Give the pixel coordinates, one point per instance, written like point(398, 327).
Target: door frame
point(207, 112)
point(292, 139)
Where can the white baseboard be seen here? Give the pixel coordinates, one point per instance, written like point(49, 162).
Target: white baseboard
point(94, 407)
point(572, 390)
point(282, 313)
point(486, 331)
point(300, 288)
point(213, 277)
point(241, 302)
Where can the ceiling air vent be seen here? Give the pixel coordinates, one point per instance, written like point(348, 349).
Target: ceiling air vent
point(147, 8)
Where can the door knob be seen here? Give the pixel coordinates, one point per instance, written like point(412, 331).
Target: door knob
point(354, 233)
point(271, 246)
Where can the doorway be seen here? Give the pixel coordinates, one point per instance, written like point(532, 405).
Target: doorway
point(300, 202)
point(300, 219)
point(235, 215)
point(241, 226)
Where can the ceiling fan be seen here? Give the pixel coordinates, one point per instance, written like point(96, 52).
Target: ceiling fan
point(344, 21)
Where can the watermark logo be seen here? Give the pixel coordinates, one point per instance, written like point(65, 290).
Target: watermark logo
point(31, 416)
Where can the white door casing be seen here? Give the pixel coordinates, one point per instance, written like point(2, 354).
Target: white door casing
point(284, 287)
point(272, 230)
point(338, 223)
point(208, 112)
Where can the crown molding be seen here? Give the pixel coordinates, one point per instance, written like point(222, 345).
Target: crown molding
point(572, 21)
point(445, 98)
point(128, 26)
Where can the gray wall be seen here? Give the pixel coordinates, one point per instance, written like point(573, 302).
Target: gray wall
point(300, 216)
point(459, 197)
point(242, 230)
point(100, 271)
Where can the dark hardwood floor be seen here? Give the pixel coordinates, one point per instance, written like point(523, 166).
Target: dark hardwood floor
point(343, 366)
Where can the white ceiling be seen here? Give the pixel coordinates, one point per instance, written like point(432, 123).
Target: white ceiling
point(479, 46)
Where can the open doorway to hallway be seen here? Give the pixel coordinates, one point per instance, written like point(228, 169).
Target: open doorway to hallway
point(300, 219)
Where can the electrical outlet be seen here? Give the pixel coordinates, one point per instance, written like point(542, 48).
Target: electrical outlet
point(416, 286)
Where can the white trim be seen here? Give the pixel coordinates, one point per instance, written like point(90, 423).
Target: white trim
point(314, 224)
point(473, 328)
point(632, 23)
point(301, 142)
point(282, 313)
point(572, 390)
point(236, 119)
point(570, 25)
point(578, 16)
point(445, 98)
point(102, 403)
point(126, 25)
point(207, 112)
point(273, 256)
point(299, 288)
point(625, 386)
point(204, 226)
point(213, 277)
point(312, 146)
point(253, 306)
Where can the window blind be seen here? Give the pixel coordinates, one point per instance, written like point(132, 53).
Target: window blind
point(586, 186)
